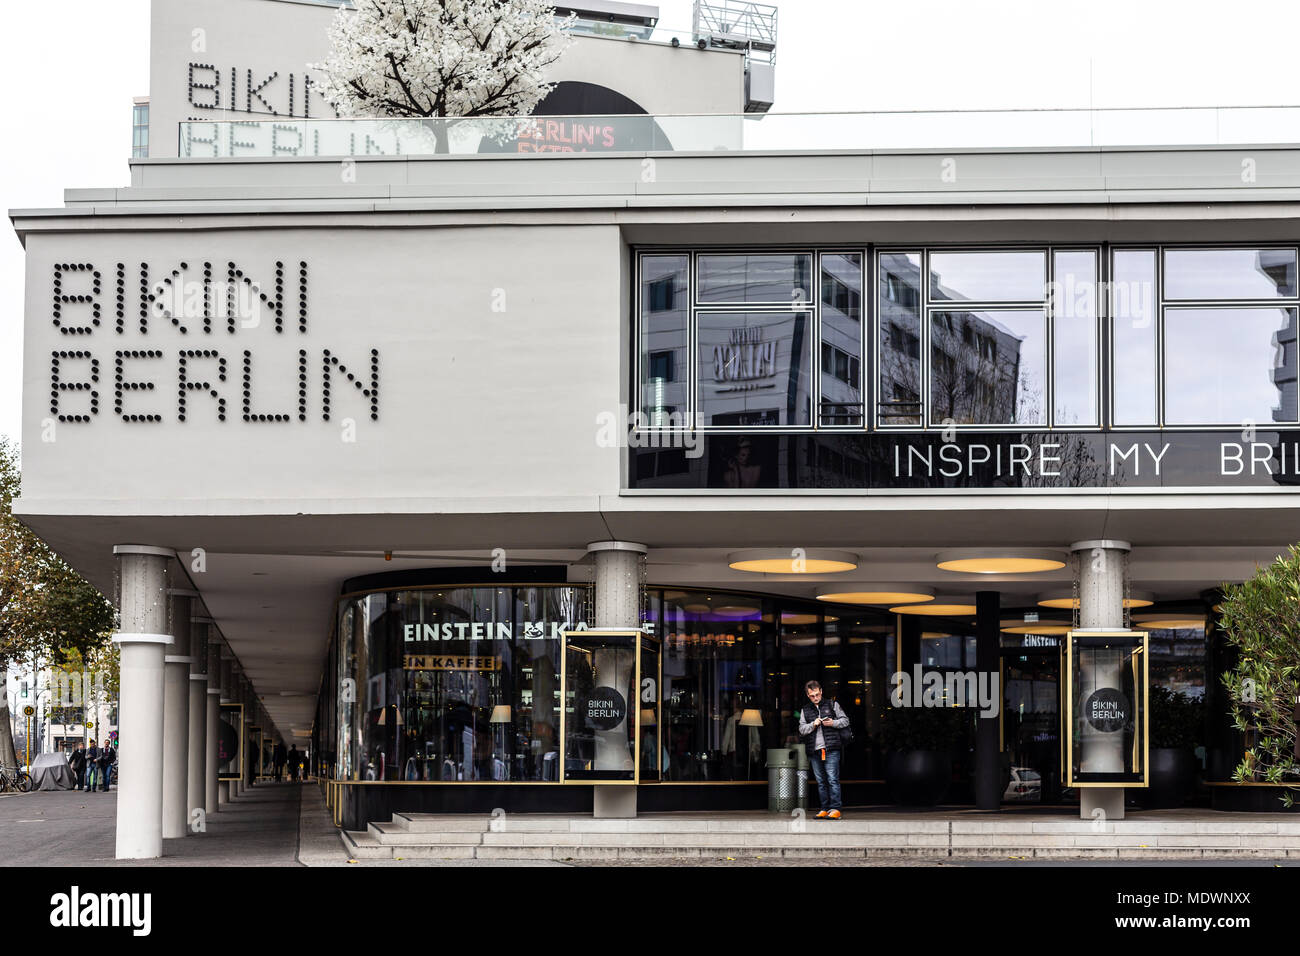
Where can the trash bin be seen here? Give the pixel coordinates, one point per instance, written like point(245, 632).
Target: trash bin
point(782, 780)
point(802, 774)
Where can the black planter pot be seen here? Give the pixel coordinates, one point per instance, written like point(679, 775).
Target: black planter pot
point(1169, 778)
point(918, 778)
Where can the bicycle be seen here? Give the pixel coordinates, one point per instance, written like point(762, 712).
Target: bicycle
point(14, 778)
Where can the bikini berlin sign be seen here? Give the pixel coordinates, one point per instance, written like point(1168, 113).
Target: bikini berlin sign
point(174, 340)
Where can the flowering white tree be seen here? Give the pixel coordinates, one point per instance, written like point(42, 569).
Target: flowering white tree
point(441, 58)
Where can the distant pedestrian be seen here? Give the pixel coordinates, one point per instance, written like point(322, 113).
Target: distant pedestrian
point(92, 766)
point(277, 757)
point(77, 761)
point(295, 758)
point(106, 758)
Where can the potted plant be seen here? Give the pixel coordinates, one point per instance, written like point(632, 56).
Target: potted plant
point(1176, 725)
point(1261, 620)
point(918, 743)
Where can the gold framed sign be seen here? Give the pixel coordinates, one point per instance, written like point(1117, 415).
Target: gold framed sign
point(1107, 720)
point(601, 717)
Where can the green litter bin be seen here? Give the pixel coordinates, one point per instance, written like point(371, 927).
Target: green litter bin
point(802, 773)
point(783, 779)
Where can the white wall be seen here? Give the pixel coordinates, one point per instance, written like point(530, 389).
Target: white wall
point(498, 349)
point(283, 38)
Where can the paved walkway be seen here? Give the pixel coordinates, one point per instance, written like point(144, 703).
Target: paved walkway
point(271, 824)
point(287, 824)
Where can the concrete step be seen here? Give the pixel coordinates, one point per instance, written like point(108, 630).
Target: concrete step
point(750, 836)
point(361, 845)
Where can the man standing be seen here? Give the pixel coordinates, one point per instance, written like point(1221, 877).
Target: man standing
point(277, 758)
point(77, 761)
point(106, 757)
point(294, 759)
point(92, 766)
point(820, 723)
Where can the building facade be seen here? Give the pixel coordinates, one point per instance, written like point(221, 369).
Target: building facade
point(389, 425)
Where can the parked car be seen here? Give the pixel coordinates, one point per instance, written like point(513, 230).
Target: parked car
point(1025, 785)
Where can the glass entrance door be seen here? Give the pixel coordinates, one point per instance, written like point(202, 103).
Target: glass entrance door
point(1031, 724)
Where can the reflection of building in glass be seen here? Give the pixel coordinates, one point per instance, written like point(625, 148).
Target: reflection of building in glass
point(900, 339)
point(665, 328)
point(841, 344)
point(1279, 266)
point(975, 359)
point(974, 369)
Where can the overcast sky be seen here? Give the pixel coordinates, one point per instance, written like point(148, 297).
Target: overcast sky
point(71, 68)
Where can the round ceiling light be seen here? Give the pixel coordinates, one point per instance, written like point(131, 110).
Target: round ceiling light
point(881, 594)
point(1066, 601)
point(942, 607)
point(999, 561)
point(1156, 622)
point(735, 610)
point(1046, 628)
point(792, 561)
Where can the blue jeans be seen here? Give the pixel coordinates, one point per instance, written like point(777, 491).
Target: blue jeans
point(827, 773)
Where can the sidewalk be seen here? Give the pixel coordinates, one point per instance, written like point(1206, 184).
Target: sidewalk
point(259, 828)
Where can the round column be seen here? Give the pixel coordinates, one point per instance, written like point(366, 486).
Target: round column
point(211, 789)
point(143, 641)
point(176, 722)
point(1101, 607)
point(226, 787)
point(617, 591)
point(198, 732)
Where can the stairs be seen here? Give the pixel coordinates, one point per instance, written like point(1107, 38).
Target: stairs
point(861, 834)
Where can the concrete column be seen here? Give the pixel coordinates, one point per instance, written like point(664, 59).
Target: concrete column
point(176, 703)
point(226, 788)
point(1101, 607)
point(988, 756)
point(617, 588)
point(143, 640)
point(195, 781)
point(238, 695)
point(211, 791)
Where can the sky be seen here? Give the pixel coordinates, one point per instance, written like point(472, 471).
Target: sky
point(71, 79)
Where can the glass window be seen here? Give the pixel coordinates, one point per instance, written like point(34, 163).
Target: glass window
point(1133, 329)
point(754, 368)
point(988, 368)
point(780, 278)
point(1230, 273)
point(454, 685)
point(1074, 344)
point(841, 382)
point(665, 337)
point(900, 338)
point(712, 676)
point(988, 276)
point(1222, 366)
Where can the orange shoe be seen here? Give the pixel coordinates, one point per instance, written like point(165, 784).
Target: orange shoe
point(834, 815)
point(822, 815)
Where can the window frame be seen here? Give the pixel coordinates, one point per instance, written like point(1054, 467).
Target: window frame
point(1160, 306)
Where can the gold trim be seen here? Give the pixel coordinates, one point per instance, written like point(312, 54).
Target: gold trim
point(1068, 712)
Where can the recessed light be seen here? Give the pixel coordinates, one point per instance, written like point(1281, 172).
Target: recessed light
point(1065, 600)
point(1167, 622)
point(792, 561)
point(999, 561)
point(942, 607)
point(881, 594)
point(1046, 628)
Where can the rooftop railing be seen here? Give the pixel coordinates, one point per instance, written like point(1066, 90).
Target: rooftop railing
point(230, 137)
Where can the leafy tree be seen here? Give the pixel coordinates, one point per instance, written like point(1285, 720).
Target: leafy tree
point(47, 610)
point(441, 58)
point(1261, 619)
